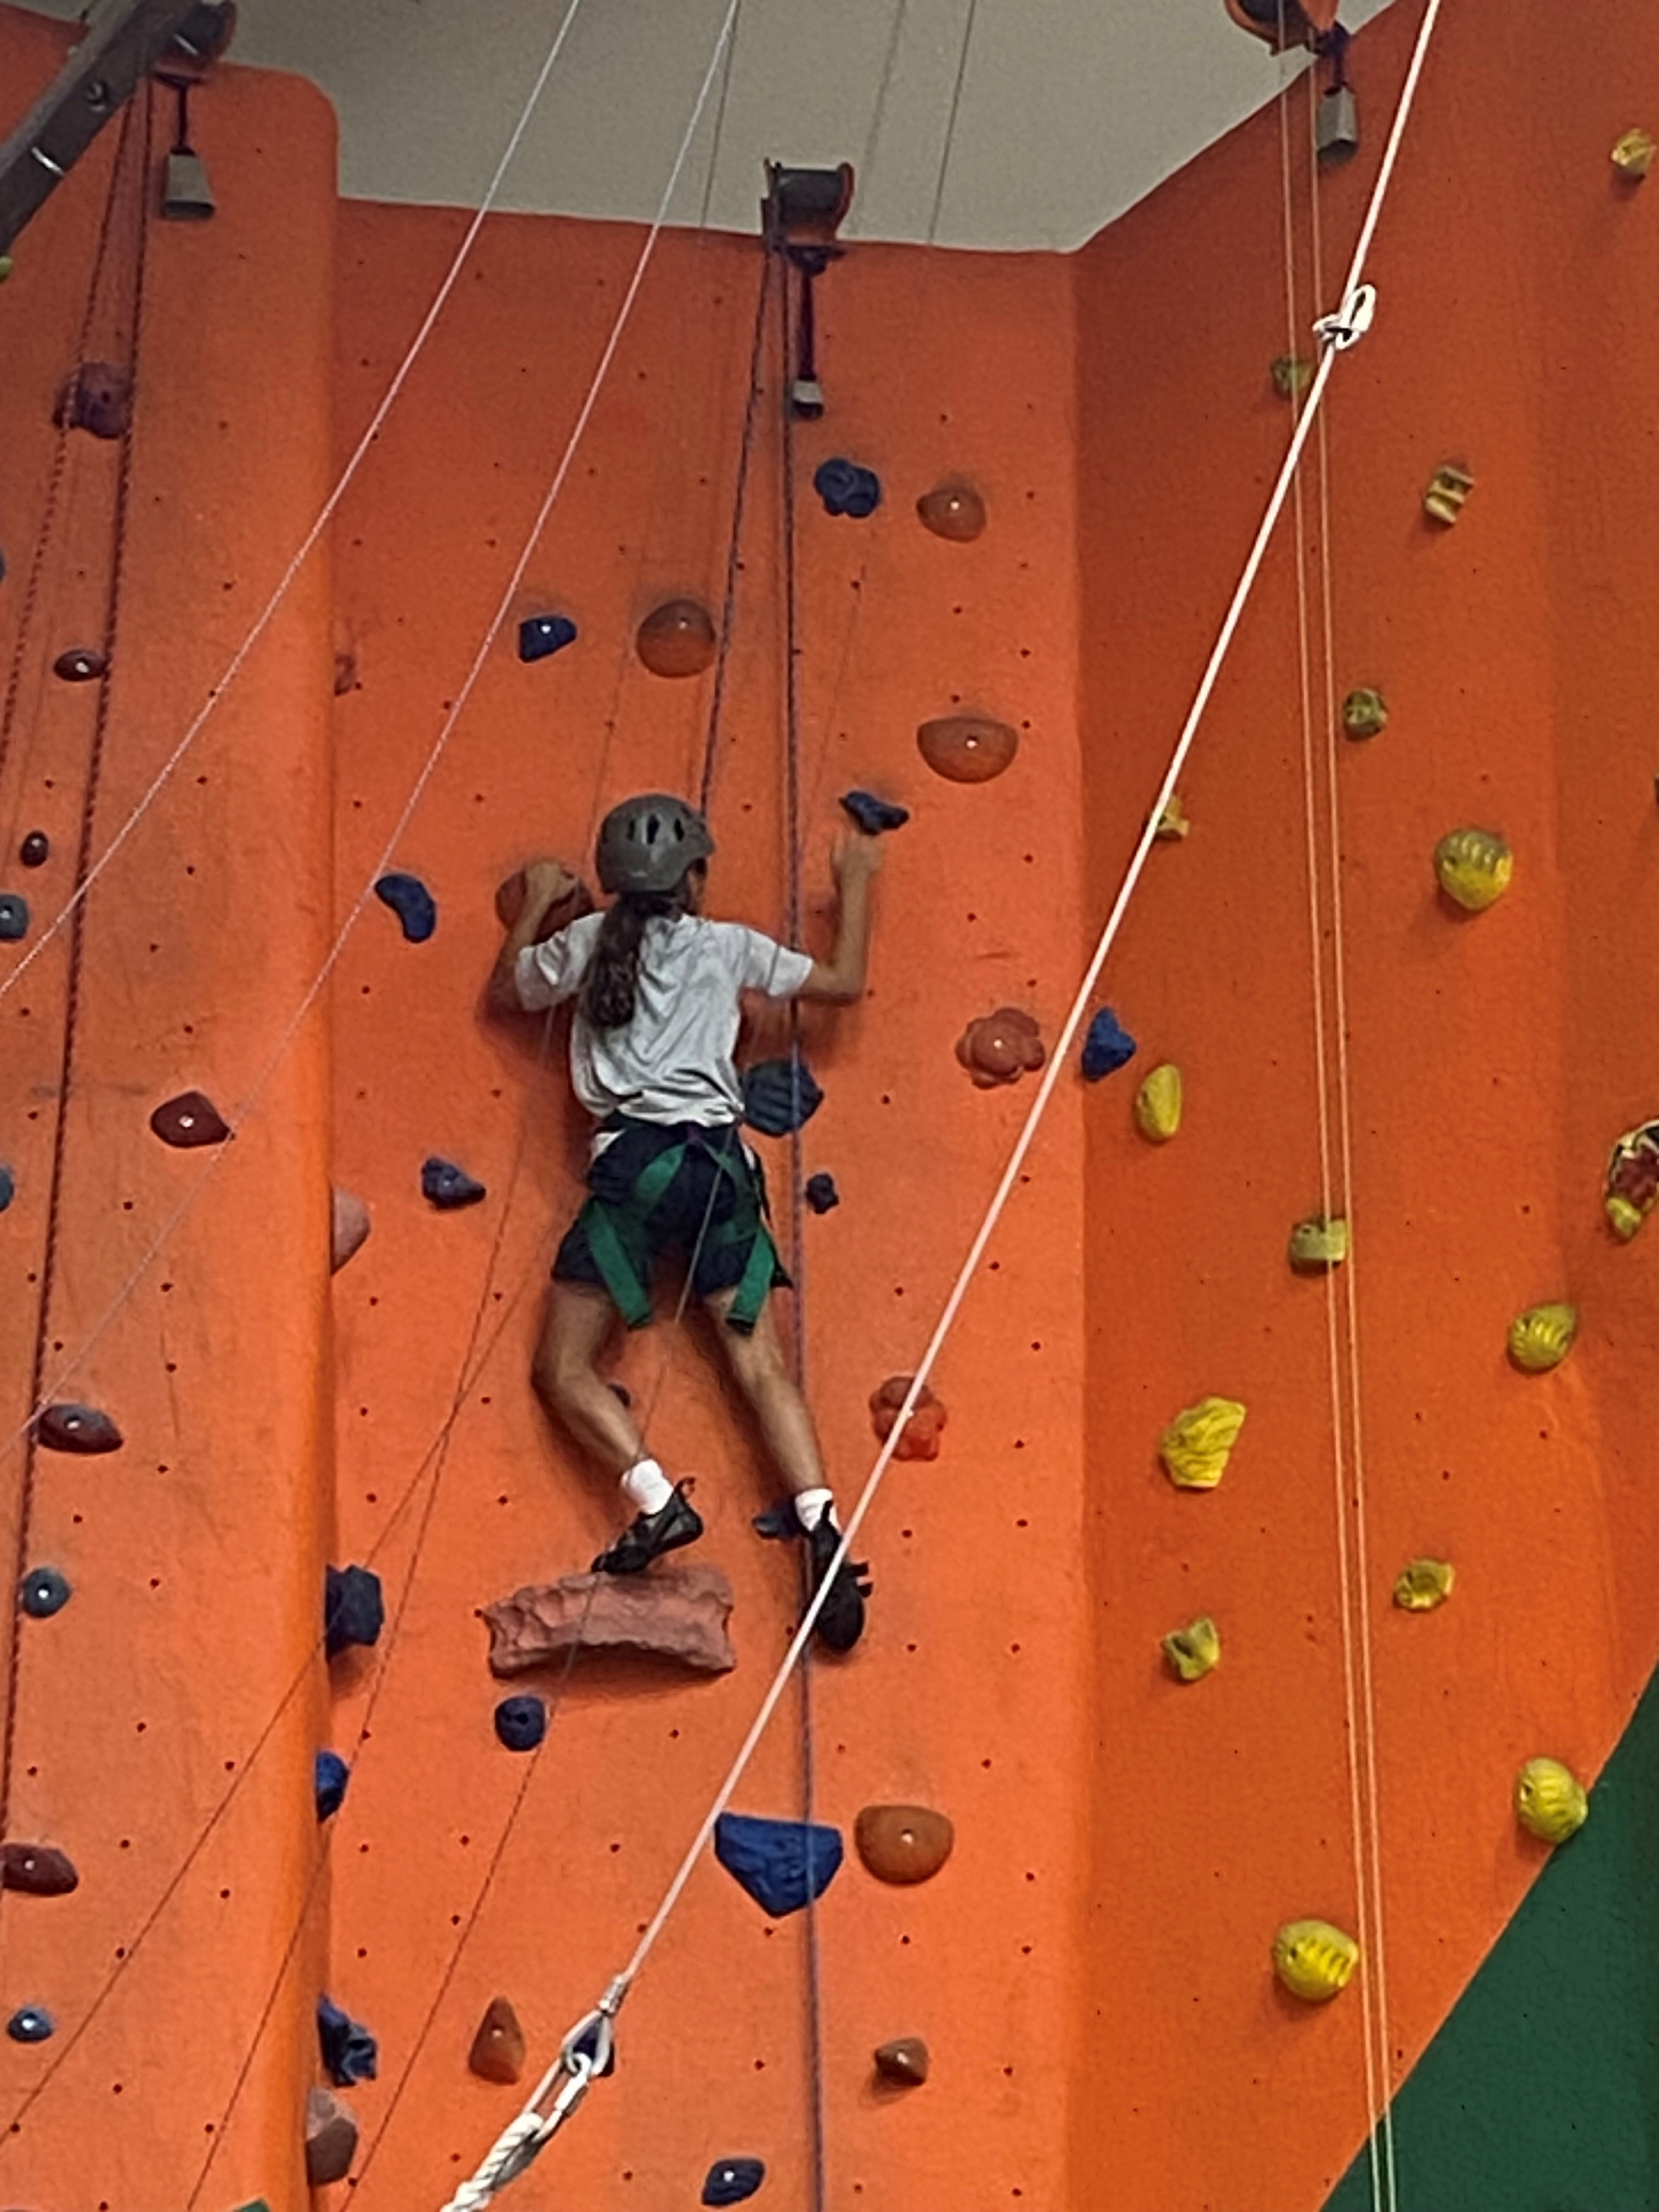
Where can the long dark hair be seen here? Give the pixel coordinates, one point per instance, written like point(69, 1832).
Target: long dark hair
point(612, 986)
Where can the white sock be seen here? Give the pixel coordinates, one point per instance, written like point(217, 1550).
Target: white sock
point(812, 1505)
point(645, 1486)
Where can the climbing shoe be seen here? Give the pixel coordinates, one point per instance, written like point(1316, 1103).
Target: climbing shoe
point(841, 1619)
point(649, 1535)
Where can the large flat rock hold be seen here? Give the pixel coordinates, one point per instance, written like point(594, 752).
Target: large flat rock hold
point(671, 1611)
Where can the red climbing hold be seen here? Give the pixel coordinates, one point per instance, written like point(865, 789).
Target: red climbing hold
point(82, 664)
point(331, 2138)
point(921, 1431)
point(509, 904)
point(1000, 1048)
point(73, 1428)
point(674, 1612)
point(903, 1843)
point(498, 2049)
point(952, 510)
point(37, 1870)
point(189, 1119)
point(676, 639)
point(967, 748)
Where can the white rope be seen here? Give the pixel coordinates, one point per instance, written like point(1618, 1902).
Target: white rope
point(308, 542)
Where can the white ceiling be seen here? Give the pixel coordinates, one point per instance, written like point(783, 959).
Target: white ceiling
point(1069, 110)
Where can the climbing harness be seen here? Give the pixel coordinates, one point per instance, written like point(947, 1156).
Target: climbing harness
point(618, 1238)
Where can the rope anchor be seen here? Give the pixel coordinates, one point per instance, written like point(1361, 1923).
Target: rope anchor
point(1351, 321)
point(587, 2051)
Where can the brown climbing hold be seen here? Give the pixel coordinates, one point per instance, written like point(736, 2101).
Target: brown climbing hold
point(675, 1613)
point(345, 672)
point(330, 2139)
point(509, 904)
point(921, 1431)
point(676, 639)
point(903, 1843)
point(80, 665)
point(73, 1428)
point(498, 2048)
point(97, 397)
point(967, 748)
point(903, 2061)
point(37, 1870)
point(1000, 1048)
point(189, 1119)
point(952, 510)
point(350, 1227)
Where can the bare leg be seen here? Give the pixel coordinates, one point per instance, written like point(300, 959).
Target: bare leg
point(759, 1369)
point(580, 1319)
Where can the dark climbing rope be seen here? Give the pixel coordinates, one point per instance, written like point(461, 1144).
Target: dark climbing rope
point(720, 120)
point(950, 127)
point(735, 544)
point(878, 114)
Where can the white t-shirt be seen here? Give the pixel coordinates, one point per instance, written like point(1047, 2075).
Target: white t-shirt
point(672, 1061)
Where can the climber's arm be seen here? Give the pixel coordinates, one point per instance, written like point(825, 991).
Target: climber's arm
point(546, 882)
point(840, 978)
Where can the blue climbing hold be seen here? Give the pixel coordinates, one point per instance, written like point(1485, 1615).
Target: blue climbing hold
point(521, 1723)
point(821, 1192)
point(731, 2179)
point(783, 1865)
point(349, 2051)
point(14, 917)
point(413, 904)
point(780, 1095)
point(1107, 1046)
point(447, 1186)
point(42, 1592)
point(332, 1774)
point(353, 1611)
point(845, 488)
point(8, 1188)
point(542, 634)
point(30, 2024)
point(874, 815)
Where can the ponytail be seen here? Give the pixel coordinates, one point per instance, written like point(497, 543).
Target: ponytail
point(612, 987)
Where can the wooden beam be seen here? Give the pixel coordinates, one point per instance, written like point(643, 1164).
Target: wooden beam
point(123, 40)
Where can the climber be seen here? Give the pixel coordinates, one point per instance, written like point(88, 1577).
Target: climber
point(657, 988)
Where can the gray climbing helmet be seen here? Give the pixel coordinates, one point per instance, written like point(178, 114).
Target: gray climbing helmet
point(648, 844)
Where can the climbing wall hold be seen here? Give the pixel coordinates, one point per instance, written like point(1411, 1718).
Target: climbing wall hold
point(37, 1870)
point(349, 2050)
point(1364, 714)
point(1448, 488)
point(904, 2061)
point(509, 905)
point(1157, 1104)
point(31, 2024)
point(729, 2180)
point(499, 2049)
point(542, 636)
point(783, 1865)
point(1633, 1179)
point(1541, 1338)
point(348, 1227)
point(1000, 1048)
point(354, 1610)
point(1423, 1585)
point(1475, 867)
point(35, 850)
point(903, 1843)
point(345, 670)
point(14, 917)
point(780, 1095)
point(967, 748)
point(1194, 1447)
point(190, 1119)
point(1172, 823)
point(677, 1612)
point(330, 1777)
point(874, 815)
point(43, 1591)
point(80, 665)
point(330, 2139)
point(446, 1186)
point(952, 510)
point(820, 1192)
point(1107, 1047)
point(847, 488)
point(1193, 1651)
point(922, 1429)
point(1318, 1245)
point(1550, 1800)
point(1633, 155)
point(1313, 1959)
point(412, 903)
point(676, 639)
point(521, 1723)
point(70, 1427)
point(1291, 375)
point(97, 397)
point(8, 1188)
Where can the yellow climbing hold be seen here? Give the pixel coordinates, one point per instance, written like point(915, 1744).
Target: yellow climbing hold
point(1541, 1338)
point(1172, 823)
point(1157, 1104)
point(1313, 1959)
point(1550, 1800)
point(1422, 1585)
point(1318, 1245)
point(1633, 155)
point(5, 267)
point(1291, 375)
point(1194, 1651)
point(1448, 489)
point(1195, 1445)
point(1475, 867)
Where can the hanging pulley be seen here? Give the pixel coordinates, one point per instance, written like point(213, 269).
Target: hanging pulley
point(800, 216)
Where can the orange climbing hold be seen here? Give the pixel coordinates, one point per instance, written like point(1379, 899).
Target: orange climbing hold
point(967, 748)
point(498, 2048)
point(676, 639)
point(1000, 1048)
point(953, 510)
point(903, 1844)
point(922, 1429)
